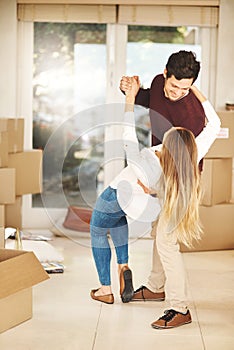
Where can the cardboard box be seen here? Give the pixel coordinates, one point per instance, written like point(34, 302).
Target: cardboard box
point(15, 129)
point(7, 186)
point(216, 180)
point(19, 271)
point(13, 213)
point(3, 149)
point(2, 215)
point(2, 237)
point(233, 180)
point(28, 166)
point(2, 226)
point(223, 147)
point(218, 227)
point(3, 124)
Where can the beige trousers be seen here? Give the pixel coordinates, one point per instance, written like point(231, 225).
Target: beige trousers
point(168, 271)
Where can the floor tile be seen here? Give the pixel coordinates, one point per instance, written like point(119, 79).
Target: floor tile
point(66, 318)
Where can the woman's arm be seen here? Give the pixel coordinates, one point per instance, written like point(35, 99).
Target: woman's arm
point(143, 163)
point(131, 145)
point(198, 94)
point(131, 92)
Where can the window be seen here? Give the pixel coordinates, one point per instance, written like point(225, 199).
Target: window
point(69, 78)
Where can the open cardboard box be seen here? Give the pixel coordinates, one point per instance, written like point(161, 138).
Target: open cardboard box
point(19, 271)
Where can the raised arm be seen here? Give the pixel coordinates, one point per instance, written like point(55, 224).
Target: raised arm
point(144, 163)
point(129, 133)
point(131, 92)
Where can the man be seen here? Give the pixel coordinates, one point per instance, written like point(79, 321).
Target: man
point(170, 102)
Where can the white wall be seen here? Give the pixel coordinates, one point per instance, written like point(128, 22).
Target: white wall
point(225, 55)
point(8, 58)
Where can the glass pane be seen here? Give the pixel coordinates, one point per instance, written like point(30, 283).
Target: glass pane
point(148, 50)
point(69, 80)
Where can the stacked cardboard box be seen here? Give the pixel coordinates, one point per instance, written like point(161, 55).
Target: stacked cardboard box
point(20, 173)
point(217, 208)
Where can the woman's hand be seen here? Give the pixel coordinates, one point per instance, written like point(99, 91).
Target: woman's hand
point(132, 86)
point(198, 93)
point(125, 83)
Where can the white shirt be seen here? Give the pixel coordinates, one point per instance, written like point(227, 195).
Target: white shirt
point(145, 166)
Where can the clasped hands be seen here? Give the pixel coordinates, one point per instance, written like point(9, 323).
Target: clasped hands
point(130, 85)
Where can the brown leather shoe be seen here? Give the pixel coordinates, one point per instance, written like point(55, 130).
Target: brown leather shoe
point(107, 299)
point(126, 287)
point(171, 319)
point(144, 294)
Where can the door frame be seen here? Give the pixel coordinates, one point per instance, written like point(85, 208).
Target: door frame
point(116, 65)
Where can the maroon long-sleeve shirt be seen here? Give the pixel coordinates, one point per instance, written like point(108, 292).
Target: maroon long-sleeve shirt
point(164, 113)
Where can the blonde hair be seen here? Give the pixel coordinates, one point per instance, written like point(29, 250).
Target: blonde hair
point(180, 186)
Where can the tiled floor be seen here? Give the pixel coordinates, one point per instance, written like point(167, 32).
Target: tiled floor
point(65, 318)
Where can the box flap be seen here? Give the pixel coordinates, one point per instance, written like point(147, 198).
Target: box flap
point(19, 270)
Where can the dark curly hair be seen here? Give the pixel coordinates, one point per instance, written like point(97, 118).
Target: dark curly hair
point(183, 65)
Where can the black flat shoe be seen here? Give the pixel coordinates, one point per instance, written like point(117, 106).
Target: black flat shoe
point(126, 286)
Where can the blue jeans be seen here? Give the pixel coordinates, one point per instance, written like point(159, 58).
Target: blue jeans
point(108, 217)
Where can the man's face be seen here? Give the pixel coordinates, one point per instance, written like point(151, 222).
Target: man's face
point(176, 89)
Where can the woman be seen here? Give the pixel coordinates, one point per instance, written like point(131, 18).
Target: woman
point(159, 182)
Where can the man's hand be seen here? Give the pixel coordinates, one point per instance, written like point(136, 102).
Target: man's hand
point(146, 189)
